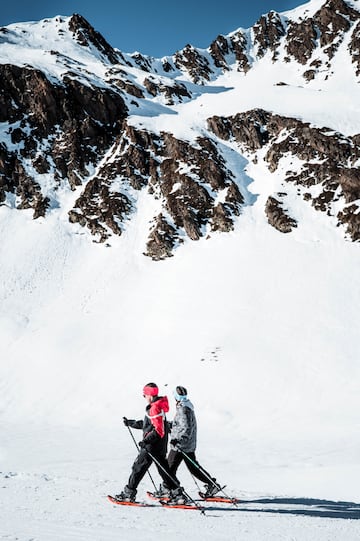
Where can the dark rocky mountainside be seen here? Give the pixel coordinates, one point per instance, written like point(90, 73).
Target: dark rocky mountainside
point(328, 162)
point(69, 129)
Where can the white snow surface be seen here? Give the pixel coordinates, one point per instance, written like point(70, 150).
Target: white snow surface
point(261, 327)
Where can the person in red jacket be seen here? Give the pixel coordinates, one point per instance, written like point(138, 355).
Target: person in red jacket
point(154, 443)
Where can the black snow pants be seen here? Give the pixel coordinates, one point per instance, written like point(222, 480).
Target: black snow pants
point(143, 463)
point(176, 457)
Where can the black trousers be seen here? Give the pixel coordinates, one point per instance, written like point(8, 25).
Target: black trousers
point(176, 457)
point(143, 463)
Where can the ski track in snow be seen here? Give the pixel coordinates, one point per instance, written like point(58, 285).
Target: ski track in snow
point(61, 495)
point(53, 509)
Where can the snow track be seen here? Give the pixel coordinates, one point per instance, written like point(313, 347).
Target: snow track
point(39, 507)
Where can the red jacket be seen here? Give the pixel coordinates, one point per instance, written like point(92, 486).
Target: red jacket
point(155, 412)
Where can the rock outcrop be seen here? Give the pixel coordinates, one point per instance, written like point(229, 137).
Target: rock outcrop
point(267, 34)
point(187, 180)
point(87, 36)
point(329, 160)
point(277, 215)
point(68, 129)
point(58, 128)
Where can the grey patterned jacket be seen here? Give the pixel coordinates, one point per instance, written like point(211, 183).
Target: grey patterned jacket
point(184, 427)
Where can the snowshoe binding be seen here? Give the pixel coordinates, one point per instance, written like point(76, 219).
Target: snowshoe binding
point(211, 489)
point(127, 495)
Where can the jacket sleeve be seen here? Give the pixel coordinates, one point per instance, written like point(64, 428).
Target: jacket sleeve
point(181, 428)
point(137, 424)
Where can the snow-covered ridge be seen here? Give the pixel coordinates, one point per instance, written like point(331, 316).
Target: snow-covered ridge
point(109, 124)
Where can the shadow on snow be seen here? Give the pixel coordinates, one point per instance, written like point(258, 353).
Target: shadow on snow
point(296, 506)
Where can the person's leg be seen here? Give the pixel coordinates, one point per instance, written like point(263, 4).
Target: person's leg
point(195, 469)
point(170, 480)
point(174, 459)
point(211, 486)
point(139, 468)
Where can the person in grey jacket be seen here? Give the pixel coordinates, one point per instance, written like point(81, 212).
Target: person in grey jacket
point(183, 443)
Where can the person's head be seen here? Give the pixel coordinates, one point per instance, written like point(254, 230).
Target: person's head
point(150, 391)
point(180, 393)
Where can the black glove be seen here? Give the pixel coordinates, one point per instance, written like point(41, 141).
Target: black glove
point(129, 422)
point(174, 442)
point(142, 444)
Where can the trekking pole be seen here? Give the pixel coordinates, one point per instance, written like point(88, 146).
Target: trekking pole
point(206, 475)
point(137, 447)
point(201, 509)
point(195, 481)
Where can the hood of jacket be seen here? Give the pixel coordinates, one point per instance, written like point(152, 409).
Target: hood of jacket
point(161, 403)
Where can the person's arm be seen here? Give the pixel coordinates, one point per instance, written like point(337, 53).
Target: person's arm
point(132, 423)
point(180, 432)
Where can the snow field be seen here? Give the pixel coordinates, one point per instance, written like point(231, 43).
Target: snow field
point(262, 328)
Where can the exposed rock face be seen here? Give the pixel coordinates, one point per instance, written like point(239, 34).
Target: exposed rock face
point(101, 209)
point(162, 240)
point(301, 40)
point(196, 64)
point(223, 49)
point(62, 129)
point(86, 35)
point(278, 217)
point(142, 62)
point(70, 130)
point(306, 41)
point(350, 217)
point(239, 46)
point(186, 179)
point(355, 47)
point(173, 93)
point(326, 30)
point(119, 79)
point(219, 48)
point(245, 128)
point(329, 160)
point(268, 31)
point(333, 20)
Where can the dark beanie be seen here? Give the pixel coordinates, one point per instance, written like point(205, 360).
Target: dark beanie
point(181, 391)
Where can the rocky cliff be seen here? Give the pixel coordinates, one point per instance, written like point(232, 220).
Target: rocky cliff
point(68, 122)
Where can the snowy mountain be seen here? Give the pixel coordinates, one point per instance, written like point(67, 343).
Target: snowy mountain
point(241, 162)
point(79, 116)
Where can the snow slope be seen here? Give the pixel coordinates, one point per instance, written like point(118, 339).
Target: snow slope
point(261, 327)
point(263, 331)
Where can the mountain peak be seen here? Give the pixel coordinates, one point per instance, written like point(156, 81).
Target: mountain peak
point(87, 36)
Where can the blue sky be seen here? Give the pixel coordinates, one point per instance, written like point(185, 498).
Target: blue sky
point(157, 27)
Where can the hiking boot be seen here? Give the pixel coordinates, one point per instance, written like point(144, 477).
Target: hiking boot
point(127, 495)
point(177, 497)
point(163, 491)
point(212, 489)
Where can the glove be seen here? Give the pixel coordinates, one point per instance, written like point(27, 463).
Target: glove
point(142, 444)
point(128, 422)
point(174, 442)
